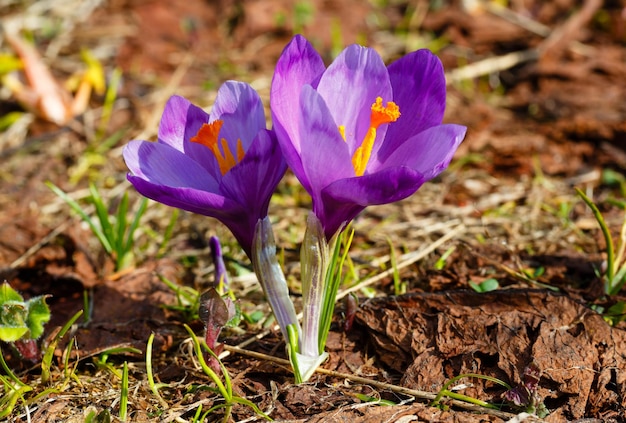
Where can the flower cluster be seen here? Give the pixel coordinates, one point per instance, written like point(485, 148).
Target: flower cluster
point(355, 133)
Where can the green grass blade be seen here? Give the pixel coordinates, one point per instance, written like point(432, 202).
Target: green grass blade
point(444, 391)
point(121, 225)
point(68, 371)
point(398, 289)
point(167, 234)
point(227, 380)
point(109, 100)
point(111, 141)
point(331, 285)
point(134, 224)
point(11, 400)
point(292, 350)
point(471, 400)
point(253, 406)
point(46, 362)
point(333, 280)
point(124, 393)
point(87, 306)
point(103, 216)
point(206, 369)
point(9, 373)
point(153, 387)
point(610, 248)
point(618, 280)
point(79, 210)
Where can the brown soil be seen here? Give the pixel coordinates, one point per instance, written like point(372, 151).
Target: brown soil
point(536, 129)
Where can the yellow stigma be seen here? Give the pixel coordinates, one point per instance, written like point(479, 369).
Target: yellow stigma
point(380, 115)
point(342, 131)
point(208, 136)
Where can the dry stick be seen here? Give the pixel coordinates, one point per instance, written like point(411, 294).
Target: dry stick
point(32, 250)
point(405, 260)
point(491, 65)
point(566, 34)
point(557, 39)
point(380, 385)
point(531, 25)
point(518, 19)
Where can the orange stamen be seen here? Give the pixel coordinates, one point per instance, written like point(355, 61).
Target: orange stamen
point(208, 136)
point(380, 115)
point(384, 114)
point(240, 151)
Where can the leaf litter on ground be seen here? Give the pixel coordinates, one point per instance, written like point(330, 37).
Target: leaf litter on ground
point(509, 196)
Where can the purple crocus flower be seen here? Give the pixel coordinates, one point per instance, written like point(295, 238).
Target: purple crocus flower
point(225, 164)
point(359, 133)
point(221, 275)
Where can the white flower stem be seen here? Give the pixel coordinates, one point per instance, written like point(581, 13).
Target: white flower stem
point(314, 263)
point(271, 276)
point(314, 259)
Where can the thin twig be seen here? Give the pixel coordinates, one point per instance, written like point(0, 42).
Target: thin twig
point(553, 46)
point(491, 65)
point(364, 381)
point(45, 240)
point(531, 25)
point(405, 260)
point(557, 39)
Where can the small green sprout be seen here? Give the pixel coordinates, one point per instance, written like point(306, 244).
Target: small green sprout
point(8, 119)
point(448, 392)
point(562, 211)
point(22, 322)
point(109, 100)
point(441, 262)
point(9, 63)
point(94, 156)
point(303, 12)
point(613, 178)
point(102, 360)
point(534, 273)
point(115, 233)
point(487, 285)
point(615, 275)
point(292, 351)
point(187, 299)
point(124, 393)
point(616, 313)
point(103, 416)
point(254, 317)
point(14, 389)
point(46, 362)
point(373, 400)
point(154, 387)
point(69, 370)
point(399, 287)
point(225, 389)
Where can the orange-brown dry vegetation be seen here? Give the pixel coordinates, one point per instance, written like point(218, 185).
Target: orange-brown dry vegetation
point(540, 86)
